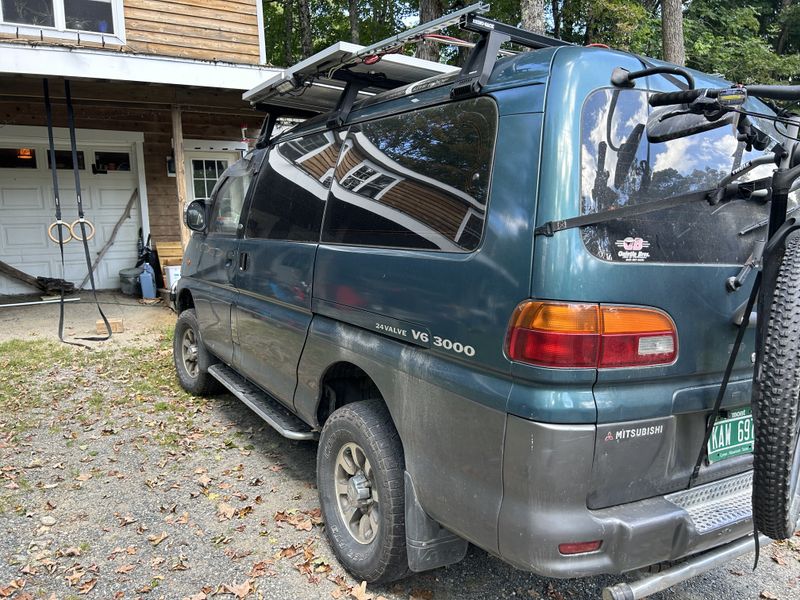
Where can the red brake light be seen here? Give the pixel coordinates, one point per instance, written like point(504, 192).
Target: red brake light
point(565, 335)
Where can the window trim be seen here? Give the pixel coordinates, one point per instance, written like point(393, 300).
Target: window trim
point(59, 30)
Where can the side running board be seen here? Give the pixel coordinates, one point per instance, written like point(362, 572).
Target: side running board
point(273, 412)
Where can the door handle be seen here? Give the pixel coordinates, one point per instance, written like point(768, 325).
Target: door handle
point(244, 261)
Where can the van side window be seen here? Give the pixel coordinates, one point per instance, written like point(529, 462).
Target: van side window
point(415, 180)
point(292, 186)
point(228, 202)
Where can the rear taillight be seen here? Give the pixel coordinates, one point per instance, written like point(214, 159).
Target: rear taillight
point(567, 335)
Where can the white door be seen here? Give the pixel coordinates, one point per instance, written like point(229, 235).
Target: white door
point(108, 178)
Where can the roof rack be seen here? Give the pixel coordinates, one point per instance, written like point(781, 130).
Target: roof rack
point(332, 80)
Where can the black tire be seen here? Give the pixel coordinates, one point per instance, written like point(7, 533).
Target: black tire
point(776, 406)
point(196, 380)
point(368, 425)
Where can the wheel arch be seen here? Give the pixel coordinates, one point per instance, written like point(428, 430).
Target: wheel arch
point(341, 383)
point(184, 301)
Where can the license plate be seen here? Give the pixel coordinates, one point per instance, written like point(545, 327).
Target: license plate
point(731, 436)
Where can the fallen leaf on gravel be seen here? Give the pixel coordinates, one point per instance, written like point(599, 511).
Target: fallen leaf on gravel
point(360, 592)
point(288, 552)
point(183, 519)
point(260, 569)
point(28, 570)
point(12, 588)
point(768, 595)
point(225, 511)
point(155, 540)
point(87, 586)
point(204, 480)
point(83, 477)
point(420, 594)
point(239, 590)
point(779, 559)
point(197, 596)
point(179, 564)
point(71, 551)
point(125, 569)
point(126, 520)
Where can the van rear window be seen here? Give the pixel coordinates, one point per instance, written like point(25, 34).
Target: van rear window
point(416, 180)
point(619, 167)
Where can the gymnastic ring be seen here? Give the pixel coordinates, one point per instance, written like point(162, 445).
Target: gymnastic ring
point(64, 239)
point(86, 222)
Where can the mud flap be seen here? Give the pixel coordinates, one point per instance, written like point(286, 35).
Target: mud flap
point(429, 544)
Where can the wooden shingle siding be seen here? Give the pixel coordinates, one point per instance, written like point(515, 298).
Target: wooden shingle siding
point(427, 205)
point(223, 30)
point(318, 165)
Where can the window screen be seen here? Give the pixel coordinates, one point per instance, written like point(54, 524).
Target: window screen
point(292, 186)
point(415, 180)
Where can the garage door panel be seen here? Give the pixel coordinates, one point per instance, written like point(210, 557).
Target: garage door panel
point(21, 197)
point(110, 197)
point(24, 237)
point(110, 268)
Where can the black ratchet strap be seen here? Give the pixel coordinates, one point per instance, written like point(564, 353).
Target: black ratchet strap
point(81, 217)
point(48, 109)
point(551, 227)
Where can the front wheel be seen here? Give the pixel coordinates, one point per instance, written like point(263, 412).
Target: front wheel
point(191, 357)
point(360, 468)
point(776, 406)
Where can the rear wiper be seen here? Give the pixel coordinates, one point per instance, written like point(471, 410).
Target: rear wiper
point(765, 222)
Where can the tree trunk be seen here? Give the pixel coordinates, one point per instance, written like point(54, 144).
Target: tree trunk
point(353, 10)
point(532, 15)
point(429, 10)
point(306, 44)
point(287, 38)
point(672, 31)
point(784, 35)
point(556, 19)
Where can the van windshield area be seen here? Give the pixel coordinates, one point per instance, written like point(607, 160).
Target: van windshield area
point(619, 167)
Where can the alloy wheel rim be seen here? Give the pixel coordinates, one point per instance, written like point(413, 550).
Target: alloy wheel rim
point(189, 352)
point(356, 496)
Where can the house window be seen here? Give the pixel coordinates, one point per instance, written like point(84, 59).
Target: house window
point(205, 174)
point(85, 16)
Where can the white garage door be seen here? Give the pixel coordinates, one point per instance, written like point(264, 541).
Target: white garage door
point(108, 178)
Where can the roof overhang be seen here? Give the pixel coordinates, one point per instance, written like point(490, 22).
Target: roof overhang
point(54, 61)
point(323, 93)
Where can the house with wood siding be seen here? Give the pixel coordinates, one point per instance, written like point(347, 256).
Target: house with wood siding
point(156, 87)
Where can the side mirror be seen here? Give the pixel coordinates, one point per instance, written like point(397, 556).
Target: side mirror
point(195, 216)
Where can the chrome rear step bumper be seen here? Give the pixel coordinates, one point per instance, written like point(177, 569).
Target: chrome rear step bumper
point(692, 567)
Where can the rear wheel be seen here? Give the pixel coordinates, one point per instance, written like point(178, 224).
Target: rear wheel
point(360, 479)
point(776, 407)
point(191, 357)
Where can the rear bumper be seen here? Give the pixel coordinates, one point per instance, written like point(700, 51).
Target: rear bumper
point(547, 474)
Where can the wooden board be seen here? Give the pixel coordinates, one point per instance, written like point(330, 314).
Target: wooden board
point(169, 254)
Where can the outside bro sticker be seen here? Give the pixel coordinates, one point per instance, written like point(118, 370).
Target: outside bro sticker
point(632, 249)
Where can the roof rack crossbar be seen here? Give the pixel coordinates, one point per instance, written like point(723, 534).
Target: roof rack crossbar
point(453, 18)
point(516, 35)
point(481, 61)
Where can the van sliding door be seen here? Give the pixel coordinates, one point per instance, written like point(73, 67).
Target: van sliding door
point(276, 261)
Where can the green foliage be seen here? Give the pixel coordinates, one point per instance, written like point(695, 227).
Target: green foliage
point(736, 41)
point(743, 40)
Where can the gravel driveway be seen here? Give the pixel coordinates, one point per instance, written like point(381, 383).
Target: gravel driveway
point(116, 484)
